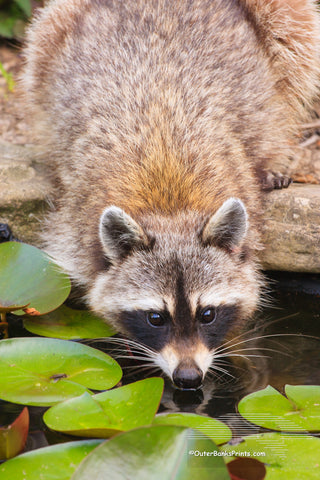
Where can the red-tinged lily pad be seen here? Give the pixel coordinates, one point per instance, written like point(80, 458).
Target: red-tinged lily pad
point(246, 469)
point(212, 428)
point(13, 437)
point(68, 324)
point(286, 457)
point(299, 411)
point(56, 462)
point(45, 371)
point(28, 278)
point(155, 453)
point(106, 414)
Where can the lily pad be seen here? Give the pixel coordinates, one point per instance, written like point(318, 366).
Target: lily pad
point(68, 324)
point(155, 453)
point(105, 414)
point(246, 469)
point(212, 428)
point(13, 437)
point(299, 412)
point(285, 456)
point(45, 371)
point(29, 278)
point(56, 462)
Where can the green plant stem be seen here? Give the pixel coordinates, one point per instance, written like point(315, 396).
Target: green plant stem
point(8, 78)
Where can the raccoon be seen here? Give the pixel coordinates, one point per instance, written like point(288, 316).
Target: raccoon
point(163, 123)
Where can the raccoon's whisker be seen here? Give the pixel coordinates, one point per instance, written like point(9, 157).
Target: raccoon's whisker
point(223, 370)
point(230, 354)
point(256, 328)
point(228, 365)
point(135, 357)
point(271, 322)
point(260, 337)
point(132, 353)
point(132, 345)
point(218, 361)
point(143, 366)
point(212, 373)
point(215, 368)
point(146, 369)
point(259, 349)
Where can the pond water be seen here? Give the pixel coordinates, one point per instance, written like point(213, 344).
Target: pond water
point(285, 347)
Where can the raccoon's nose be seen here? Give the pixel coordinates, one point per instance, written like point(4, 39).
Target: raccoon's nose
point(187, 378)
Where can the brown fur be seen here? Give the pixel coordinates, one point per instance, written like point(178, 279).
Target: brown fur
point(166, 109)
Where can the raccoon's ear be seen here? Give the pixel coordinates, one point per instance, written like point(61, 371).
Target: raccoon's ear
point(120, 234)
point(227, 228)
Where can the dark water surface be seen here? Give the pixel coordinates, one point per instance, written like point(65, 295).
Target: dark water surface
point(284, 342)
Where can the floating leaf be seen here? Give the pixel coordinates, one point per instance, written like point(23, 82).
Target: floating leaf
point(155, 453)
point(246, 469)
point(56, 462)
point(300, 411)
point(217, 431)
point(29, 277)
point(69, 324)
point(105, 414)
point(14, 437)
point(294, 457)
point(44, 371)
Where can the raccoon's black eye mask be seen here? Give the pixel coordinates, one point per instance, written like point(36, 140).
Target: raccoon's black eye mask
point(157, 328)
point(153, 329)
point(213, 333)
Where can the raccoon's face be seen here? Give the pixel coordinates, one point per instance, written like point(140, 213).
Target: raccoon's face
point(179, 287)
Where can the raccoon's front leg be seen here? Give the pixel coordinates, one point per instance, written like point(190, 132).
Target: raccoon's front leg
point(275, 181)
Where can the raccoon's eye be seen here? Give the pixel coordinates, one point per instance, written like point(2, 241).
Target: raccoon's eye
point(208, 315)
point(155, 319)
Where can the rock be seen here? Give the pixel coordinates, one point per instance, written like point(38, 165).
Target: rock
point(292, 218)
point(24, 186)
point(292, 229)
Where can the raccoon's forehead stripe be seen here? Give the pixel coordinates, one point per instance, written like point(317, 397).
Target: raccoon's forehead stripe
point(127, 301)
point(216, 296)
point(183, 315)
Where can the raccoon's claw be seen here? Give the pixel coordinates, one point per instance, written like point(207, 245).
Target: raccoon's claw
point(275, 181)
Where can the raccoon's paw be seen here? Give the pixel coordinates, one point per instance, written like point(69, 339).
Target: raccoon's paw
point(275, 181)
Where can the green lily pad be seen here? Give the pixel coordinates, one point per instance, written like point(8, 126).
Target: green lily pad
point(299, 412)
point(294, 457)
point(29, 278)
point(155, 453)
point(45, 371)
point(212, 428)
point(105, 414)
point(56, 462)
point(13, 437)
point(68, 324)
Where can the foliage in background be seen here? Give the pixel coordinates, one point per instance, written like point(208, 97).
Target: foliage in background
point(8, 78)
point(13, 17)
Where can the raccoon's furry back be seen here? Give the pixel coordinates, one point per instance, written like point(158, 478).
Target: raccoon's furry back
point(161, 121)
point(164, 106)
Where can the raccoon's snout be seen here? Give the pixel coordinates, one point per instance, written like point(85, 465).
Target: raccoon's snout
point(187, 377)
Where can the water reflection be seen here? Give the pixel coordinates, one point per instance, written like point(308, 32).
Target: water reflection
point(282, 347)
point(285, 348)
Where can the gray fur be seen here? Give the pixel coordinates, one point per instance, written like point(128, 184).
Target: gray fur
point(154, 116)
